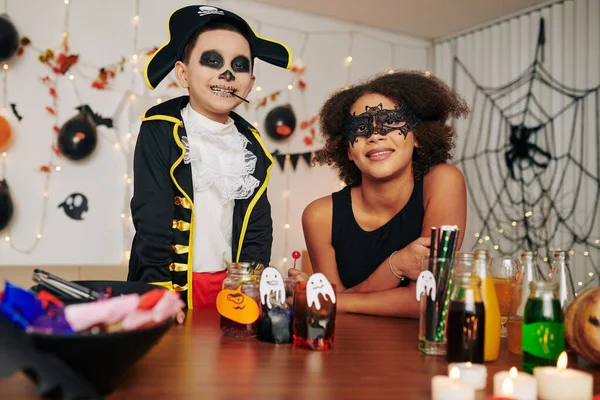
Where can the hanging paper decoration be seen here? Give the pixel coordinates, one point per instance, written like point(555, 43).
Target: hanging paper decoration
point(280, 122)
point(293, 157)
point(77, 138)
point(60, 64)
point(74, 205)
point(309, 125)
point(98, 120)
point(5, 133)
point(13, 107)
point(6, 205)
point(24, 43)
point(107, 74)
point(9, 38)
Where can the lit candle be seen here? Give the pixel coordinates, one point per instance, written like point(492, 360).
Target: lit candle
point(524, 386)
point(507, 387)
point(560, 382)
point(475, 374)
point(451, 388)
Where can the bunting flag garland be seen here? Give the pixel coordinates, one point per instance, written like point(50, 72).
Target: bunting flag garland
point(293, 157)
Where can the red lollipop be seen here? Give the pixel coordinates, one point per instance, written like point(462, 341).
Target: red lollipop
point(295, 255)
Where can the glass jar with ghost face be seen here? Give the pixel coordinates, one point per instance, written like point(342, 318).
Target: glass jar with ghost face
point(275, 321)
point(245, 276)
point(314, 313)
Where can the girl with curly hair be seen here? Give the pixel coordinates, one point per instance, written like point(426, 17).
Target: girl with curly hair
point(390, 140)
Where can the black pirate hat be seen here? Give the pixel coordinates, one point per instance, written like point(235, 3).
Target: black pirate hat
point(187, 20)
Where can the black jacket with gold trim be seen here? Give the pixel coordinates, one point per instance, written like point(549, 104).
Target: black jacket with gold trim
point(162, 206)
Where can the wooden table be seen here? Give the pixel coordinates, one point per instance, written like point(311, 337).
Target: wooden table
point(372, 358)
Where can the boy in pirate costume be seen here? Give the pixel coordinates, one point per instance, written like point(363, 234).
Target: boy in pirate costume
point(200, 170)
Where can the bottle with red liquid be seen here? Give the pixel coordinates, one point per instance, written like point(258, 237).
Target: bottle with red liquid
point(246, 275)
point(466, 322)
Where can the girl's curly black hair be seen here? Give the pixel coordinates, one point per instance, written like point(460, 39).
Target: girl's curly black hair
point(428, 97)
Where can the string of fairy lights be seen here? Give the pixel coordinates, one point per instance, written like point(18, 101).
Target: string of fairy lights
point(53, 167)
point(124, 140)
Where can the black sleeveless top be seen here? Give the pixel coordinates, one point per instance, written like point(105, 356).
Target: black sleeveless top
point(357, 252)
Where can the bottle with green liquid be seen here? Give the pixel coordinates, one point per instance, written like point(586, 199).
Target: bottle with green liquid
point(543, 327)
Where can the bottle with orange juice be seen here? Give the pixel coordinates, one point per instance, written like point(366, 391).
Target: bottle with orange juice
point(490, 301)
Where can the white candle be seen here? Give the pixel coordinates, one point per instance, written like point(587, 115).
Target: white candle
point(451, 388)
point(475, 374)
point(562, 383)
point(524, 386)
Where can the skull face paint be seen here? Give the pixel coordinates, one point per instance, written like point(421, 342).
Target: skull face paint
point(213, 59)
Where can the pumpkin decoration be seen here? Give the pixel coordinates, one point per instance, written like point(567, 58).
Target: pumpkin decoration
point(582, 325)
point(237, 306)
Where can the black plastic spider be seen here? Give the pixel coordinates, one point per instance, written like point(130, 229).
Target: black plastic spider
point(521, 149)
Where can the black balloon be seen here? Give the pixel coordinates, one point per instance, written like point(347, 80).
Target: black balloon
point(280, 122)
point(9, 38)
point(6, 205)
point(77, 138)
point(74, 205)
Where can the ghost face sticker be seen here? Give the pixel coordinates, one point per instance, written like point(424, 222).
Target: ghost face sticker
point(271, 287)
point(75, 205)
point(318, 285)
point(426, 285)
point(236, 306)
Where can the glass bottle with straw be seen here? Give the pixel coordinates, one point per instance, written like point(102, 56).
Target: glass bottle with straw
point(437, 273)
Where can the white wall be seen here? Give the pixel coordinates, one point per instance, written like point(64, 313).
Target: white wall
point(498, 54)
point(102, 32)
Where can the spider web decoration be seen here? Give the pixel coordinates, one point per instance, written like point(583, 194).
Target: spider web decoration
point(533, 174)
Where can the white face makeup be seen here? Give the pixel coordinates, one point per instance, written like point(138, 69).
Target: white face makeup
point(318, 284)
point(271, 284)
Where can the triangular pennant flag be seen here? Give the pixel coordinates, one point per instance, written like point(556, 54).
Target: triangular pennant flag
point(307, 157)
point(294, 158)
point(280, 160)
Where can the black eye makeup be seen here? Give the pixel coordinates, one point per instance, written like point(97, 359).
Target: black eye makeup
point(211, 59)
point(240, 64)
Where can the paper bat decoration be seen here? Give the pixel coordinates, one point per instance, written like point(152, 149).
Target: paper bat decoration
point(14, 110)
point(98, 120)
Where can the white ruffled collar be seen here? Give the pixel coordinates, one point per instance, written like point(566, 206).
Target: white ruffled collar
point(218, 155)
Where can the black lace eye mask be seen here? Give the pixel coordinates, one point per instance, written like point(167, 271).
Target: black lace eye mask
point(399, 119)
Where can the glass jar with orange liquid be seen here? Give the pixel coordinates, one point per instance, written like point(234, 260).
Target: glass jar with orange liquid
point(528, 272)
point(490, 302)
point(504, 272)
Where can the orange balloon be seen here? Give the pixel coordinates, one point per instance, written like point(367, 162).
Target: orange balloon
point(5, 133)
